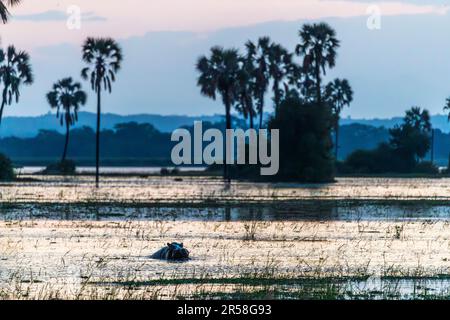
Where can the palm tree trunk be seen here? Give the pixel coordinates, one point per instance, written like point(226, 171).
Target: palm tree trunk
point(1, 109)
point(260, 119)
point(226, 173)
point(336, 144)
point(97, 146)
point(66, 144)
point(261, 110)
point(276, 96)
point(251, 120)
point(3, 104)
point(318, 84)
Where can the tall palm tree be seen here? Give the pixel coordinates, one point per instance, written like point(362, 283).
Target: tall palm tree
point(66, 97)
point(279, 66)
point(260, 53)
point(338, 94)
point(15, 70)
point(219, 74)
point(447, 107)
point(418, 119)
point(103, 57)
point(447, 110)
point(318, 47)
point(246, 88)
point(4, 12)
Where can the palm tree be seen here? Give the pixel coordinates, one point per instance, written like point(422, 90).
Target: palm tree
point(219, 75)
point(15, 70)
point(103, 57)
point(338, 94)
point(260, 54)
point(318, 48)
point(279, 66)
point(447, 107)
point(418, 119)
point(246, 88)
point(66, 97)
point(447, 110)
point(4, 12)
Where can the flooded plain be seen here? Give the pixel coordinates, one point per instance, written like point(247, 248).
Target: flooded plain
point(356, 238)
point(156, 189)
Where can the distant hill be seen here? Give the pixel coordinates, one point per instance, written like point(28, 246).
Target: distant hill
point(133, 144)
point(26, 127)
point(358, 136)
point(439, 122)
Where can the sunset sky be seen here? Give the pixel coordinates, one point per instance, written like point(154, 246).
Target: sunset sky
point(43, 22)
point(166, 37)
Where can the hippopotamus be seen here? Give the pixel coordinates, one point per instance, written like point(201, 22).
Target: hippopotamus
point(173, 252)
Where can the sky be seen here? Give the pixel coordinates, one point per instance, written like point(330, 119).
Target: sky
point(390, 67)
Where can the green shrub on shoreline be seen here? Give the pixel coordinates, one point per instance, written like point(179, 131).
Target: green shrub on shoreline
point(6, 169)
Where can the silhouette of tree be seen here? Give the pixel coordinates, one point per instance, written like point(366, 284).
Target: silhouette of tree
point(408, 143)
point(338, 94)
point(304, 141)
point(66, 97)
point(260, 53)
point(247, 88)
point(447, 107)
point(219, 74)
point(279, 66)
point(318, 48)
point(4, 12)
point(418, 119)
point(103, 57)
point(447, 110)
point(411, 140)
point(15, 70)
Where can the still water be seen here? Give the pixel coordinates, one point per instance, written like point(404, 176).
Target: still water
point(63, 238)
point(110, 170)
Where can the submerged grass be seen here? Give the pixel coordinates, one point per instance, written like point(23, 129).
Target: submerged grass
point(273, 242)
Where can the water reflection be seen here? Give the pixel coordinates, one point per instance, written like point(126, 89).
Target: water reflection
point(308, 211)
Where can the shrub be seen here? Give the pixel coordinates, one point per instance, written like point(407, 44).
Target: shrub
point(305, 141)
point(426, 167)
point(164, 171)
point(6, 169)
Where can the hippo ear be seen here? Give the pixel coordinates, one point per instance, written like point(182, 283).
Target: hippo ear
point(181, 244)
point(168, 244)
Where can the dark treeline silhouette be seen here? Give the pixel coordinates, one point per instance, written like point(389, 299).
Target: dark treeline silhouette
point(127, 144)
point(137, 145)
point(305, 109)
point(126, 141)
point(408, 145)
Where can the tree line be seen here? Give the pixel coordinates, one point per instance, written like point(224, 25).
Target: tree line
point(242, 81)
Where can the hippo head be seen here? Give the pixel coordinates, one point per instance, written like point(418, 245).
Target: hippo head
point(177, 252)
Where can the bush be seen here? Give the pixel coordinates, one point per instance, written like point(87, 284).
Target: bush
point(305, 141)
point(164, 172)
point(383, 159)
point(168, 172)
point(426, 167)
point(66, 167)
point(6, 169)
